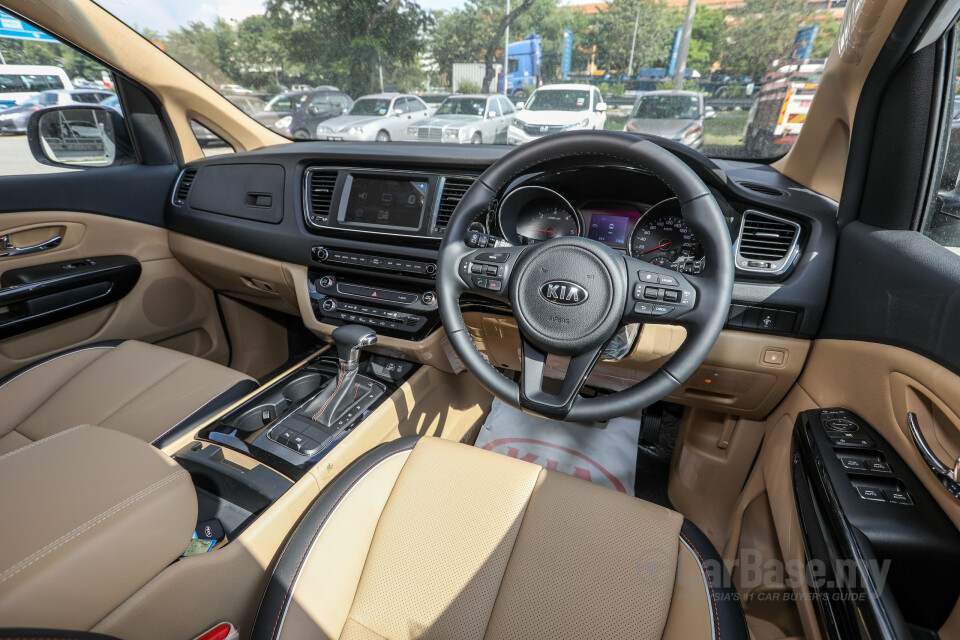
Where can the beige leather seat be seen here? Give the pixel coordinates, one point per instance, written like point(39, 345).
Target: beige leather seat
point(433, 539)
point(144, 390)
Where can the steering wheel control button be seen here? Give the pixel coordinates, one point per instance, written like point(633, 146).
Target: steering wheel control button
point(651, 293)
point(476, 268)
point(669, 281)
point(491, 257)
point(648, 278)
point(492, 271)
point(671, 295)
point(494, 285)
point(643, 308)
point(661, 309)
point(478, 282)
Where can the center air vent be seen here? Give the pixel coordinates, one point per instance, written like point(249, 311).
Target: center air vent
point(453, 190)
point(320, 187)
point(766, 243)
point(183, 186)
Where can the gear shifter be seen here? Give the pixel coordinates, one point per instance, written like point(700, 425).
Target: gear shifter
point(340, 394)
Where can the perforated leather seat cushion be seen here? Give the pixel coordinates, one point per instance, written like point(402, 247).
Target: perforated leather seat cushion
point(144, 390)
point(433, 539)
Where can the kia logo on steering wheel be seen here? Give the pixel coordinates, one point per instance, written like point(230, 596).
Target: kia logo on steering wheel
point(563, 292)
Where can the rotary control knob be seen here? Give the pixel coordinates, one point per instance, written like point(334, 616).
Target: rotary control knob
point(329, 305)
point(319, 254)
point(428, 297)
point(326, 282)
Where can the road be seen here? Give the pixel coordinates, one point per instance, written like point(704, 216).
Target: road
point(16, 159)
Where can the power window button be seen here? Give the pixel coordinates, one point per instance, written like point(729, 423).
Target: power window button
point(872, 493)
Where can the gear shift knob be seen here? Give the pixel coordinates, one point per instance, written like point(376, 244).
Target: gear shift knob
point(350, 339)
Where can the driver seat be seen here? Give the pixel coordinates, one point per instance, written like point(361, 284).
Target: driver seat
point(428, 538)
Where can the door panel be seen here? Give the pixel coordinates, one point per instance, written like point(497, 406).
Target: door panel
point(167, 305)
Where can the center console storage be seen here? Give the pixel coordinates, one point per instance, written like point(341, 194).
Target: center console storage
point(288, 426)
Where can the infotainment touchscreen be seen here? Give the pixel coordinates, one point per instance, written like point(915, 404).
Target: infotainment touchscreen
point(386, 203)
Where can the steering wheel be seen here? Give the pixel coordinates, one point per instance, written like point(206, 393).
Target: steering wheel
point(570, 295)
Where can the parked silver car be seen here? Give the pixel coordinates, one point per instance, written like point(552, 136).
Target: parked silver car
point(473, 119)
point(676, 115)
point(382, 117)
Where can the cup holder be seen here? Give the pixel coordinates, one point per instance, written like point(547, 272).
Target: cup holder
point(271, 405)
point(302, 386)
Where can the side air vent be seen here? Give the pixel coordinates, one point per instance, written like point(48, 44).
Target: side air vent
point(766, 190)
point(767, 243)
point(320, 186)
point(183, 187)
point(453, 190)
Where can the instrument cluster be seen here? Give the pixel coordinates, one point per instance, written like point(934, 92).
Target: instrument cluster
point(654, 233)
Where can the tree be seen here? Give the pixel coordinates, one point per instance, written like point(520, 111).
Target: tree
point(763, 31)
point(457, 36)
point(349, 42)
point(491, 52)
point(829, 27)
point(706, 41)
point(614, 34)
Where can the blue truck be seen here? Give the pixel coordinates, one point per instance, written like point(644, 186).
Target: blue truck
point(524, 67)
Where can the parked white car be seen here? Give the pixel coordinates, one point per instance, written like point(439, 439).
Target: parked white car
point(382, 117)
point(467, 119)
point(558, 107)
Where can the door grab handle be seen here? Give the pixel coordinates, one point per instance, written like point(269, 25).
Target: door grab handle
point(950, 477)
point(8, 250)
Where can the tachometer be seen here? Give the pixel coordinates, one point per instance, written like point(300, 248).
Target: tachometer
point(539, 214)
point(665, 239)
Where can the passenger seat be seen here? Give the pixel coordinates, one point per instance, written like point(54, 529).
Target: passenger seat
point(147, 391)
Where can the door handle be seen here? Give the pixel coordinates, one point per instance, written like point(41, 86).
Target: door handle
point(950, 477)
point(8, 250)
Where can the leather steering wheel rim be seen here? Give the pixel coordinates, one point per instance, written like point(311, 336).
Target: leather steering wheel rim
point(703, 318)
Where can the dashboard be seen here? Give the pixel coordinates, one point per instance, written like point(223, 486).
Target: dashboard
point(366, 222)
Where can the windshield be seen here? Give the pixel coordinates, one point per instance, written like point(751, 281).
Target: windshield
point(369, 107)
point(755, 63)
point(462, 107)
point(677, 107)
point(559, 100)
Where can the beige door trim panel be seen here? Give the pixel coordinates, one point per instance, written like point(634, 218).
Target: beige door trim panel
point(167, 305)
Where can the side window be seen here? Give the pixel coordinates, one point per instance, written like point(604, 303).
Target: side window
point(508, 108)
point(31, 74)
point(401, 104)
point(596, 97)
point(414, 105)
point(339, 102)
point(493, 106)
point(942, 222)
point(210, 143)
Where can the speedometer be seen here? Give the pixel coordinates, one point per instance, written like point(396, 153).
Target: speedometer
point(537, 213)
point(666, 240)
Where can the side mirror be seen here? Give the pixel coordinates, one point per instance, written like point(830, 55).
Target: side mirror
point(491, 115)
point(709, 112)
point(344, 111)
point(79, 137)
point(398, 112)
point(601, 107)
point(314, 111)
point(520, 105)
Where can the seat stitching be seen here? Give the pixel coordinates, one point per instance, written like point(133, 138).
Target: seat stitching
point(323, 520)
point(340, 379)
point(713, 594)
point(88, 525)
point(40, 364)
point(143, 390)
point(193, 413)
point(36, 442)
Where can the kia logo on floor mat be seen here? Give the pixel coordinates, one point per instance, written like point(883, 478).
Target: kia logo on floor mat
point(563, 292)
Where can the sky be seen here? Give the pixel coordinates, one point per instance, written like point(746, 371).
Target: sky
point(165, 15)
